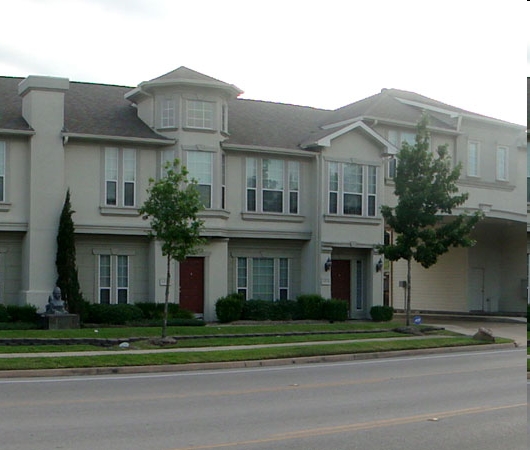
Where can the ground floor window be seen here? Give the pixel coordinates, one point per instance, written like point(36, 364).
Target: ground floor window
point(263, 278)
point(113, 279)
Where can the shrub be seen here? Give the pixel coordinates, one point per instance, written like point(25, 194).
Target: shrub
point(335, 310)
point(229, 308)
point(113, 314)
point(285, 310)
point(152, 311)
point(257, 310)
point(381, 313)
point(24, 313)
point(310, 306)
point(4, 316)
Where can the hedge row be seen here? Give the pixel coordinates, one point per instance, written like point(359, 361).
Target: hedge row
point(106, 314)
point(305, 307)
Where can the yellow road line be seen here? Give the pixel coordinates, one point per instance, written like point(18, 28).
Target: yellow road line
point(323, 431)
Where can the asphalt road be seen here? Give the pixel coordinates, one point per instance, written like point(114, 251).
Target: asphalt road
point(474, 400)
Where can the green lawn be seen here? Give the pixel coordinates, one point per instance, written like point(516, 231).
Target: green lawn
point(222, 335)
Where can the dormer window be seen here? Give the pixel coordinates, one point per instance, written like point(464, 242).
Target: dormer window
point(200, 114)
point(168, 113)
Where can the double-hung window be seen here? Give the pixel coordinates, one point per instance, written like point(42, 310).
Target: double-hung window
point(397, 138)
point(528, 173)
point(120, 177)
point(263, 278)
point(352, 189)
point(167, 117)
point(272, 186)
point(113, 279)
point(502, 163)
point(473, 155)
point(2, 171)
point(199, 165)
point(200, 114)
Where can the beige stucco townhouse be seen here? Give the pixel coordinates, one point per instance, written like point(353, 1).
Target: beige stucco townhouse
point(292, 194)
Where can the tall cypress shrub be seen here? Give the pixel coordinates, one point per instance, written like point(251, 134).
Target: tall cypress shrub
point(65, 261)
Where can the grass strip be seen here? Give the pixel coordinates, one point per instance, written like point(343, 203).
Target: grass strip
point(123, 359)
point(213, 329)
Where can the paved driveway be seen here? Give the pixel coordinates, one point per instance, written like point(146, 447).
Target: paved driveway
point(514, 329)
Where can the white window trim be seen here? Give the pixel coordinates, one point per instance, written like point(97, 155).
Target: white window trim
point(473, 173)
point(168, 113)
point(204, 119)
point(114, 285)
point(3, 170)
point(120, 178)
point(365, 194)
point(249, 284)
point(502, 173)
point(202, 182)
point(259, 189)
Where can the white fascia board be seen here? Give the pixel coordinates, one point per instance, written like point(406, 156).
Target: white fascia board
point(7, 131)
point(263, 149)
point(326, 141)
point(131, 140)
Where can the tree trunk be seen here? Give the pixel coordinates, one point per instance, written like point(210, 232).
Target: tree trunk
point(407, 300)
point(166, 300)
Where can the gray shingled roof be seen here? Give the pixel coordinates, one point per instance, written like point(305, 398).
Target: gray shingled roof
point(98, 109)
point(258, 123)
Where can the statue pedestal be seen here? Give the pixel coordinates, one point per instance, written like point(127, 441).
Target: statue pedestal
point(61, 321)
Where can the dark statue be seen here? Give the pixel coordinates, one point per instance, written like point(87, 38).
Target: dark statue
point(55, 302)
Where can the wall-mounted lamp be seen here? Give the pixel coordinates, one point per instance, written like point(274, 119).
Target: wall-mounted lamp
point(379, 265)
point(327, 265)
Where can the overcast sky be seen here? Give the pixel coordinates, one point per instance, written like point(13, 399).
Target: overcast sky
point(324, 54)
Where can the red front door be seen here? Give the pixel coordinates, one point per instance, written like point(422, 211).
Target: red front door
point(341, 280)
point(192, 285)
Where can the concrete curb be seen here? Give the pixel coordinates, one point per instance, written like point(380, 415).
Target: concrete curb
point(126, 370)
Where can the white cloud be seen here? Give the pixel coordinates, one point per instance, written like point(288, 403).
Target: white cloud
point(322, 54)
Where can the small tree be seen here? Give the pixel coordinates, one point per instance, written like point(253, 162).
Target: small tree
point(172, 205)
point(65, 260)
point(425, 185)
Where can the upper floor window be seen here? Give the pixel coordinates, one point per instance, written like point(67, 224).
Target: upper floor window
point(200, 114)
point(224, 118)
point(473, 154)
point(528, 173)
point(120, 177)
point(352, 189)
point(168, 113)
point(397, 138)
point(2, 171)
point(199, 165)
point(273, 185)
point(502, 163)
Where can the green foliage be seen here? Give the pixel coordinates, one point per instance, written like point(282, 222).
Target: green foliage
point(335, 310)
point(24, 313)
point(113, 314)
point(285, 310)
point(382, 313)
point(65, 261)
point(257, 310)
point(229, 308)
point(310, 306)
point(4, 316)
point(172, 206)
point(152, 310)
point(425, 186)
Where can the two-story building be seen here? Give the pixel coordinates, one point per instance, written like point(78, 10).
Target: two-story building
point(292, 194)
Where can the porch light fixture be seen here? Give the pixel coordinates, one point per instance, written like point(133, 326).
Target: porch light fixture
point(379, 265)
point(327, 265)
